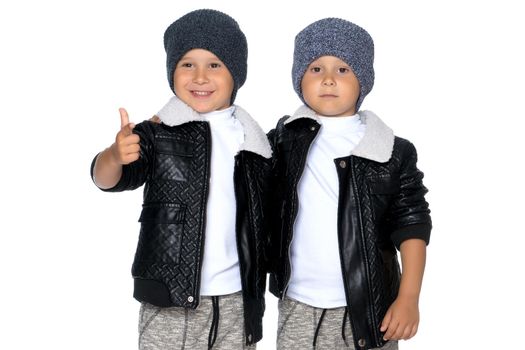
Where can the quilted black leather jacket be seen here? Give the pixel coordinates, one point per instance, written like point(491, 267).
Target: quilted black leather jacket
point(174, 167)
point(381, 204)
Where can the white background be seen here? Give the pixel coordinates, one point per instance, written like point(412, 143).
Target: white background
point(449, 77)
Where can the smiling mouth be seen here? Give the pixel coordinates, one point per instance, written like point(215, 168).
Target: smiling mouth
point(201, 93)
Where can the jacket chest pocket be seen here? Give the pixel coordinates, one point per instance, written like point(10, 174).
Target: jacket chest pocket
point(382, 190)
point(161, 233)
point(173, 159)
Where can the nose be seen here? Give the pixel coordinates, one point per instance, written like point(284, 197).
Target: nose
point(328, 80)
point(200, 76)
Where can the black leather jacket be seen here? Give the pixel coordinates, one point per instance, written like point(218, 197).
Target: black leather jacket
point(381, 204)
point(174, 167)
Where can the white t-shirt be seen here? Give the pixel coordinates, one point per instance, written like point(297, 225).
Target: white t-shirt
point(316, 277)
point(220, 272)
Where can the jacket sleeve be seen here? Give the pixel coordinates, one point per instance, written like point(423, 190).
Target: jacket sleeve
point(135, 174)
point(409, 214)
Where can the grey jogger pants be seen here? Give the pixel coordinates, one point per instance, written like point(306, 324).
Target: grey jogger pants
point(217, 320)
point(300, 325)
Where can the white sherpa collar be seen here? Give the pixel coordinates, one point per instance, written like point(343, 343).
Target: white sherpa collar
point(377, 143)
point(176, 112)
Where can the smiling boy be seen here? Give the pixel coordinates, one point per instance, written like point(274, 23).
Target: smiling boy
point(198, 268)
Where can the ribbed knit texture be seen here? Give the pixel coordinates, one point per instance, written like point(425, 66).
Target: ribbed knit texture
point(340, 38)
point(209, 30)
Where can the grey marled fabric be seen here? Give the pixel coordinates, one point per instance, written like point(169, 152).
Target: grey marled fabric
point(187, 329)
point(298, 323)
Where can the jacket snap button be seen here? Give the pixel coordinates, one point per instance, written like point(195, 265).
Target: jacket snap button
point(361, 343)
point(342, 164)
point(190, 299)
point(312, 128)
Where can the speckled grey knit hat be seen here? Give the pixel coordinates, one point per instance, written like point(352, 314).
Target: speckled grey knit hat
point(209, 30)
point(340, 38)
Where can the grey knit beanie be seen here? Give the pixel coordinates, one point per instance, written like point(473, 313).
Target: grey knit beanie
point(209, 30)
point(340, 38)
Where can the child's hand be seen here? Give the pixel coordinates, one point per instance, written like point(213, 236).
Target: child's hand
point(126, 148)
point(401, 319)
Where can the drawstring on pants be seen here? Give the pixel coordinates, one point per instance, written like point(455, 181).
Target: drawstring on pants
point(318, 328)
point(214, 322)
point(343, 333)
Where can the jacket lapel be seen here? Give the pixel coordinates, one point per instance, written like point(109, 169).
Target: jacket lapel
point(378, 142)
point(176, 112)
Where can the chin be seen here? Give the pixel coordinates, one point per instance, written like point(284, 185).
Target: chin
point(202, 109)
point(330, 113)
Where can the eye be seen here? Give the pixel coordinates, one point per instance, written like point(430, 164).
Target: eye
point(344, 70)
point(186, 65)
point(215, 65)
point(315, 69)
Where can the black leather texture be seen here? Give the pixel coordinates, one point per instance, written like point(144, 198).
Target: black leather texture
point(174, 167)
point(380, 206)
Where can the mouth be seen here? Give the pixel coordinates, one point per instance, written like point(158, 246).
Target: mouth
point(328, 96)
point(201, 94)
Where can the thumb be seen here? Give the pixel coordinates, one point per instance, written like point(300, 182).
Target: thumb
point(124, 118)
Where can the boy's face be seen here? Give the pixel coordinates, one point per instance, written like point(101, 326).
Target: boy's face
point(202, 81)
point(330, 87)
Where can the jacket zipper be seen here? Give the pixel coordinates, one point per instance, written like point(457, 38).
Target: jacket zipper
point(239, 166)
point(295, 205)
point(205, 206)
point(361, 231)
point(345, 280)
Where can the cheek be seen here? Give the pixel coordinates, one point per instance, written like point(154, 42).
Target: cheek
point(226, 84)
point(308, 88)
point(355, 87)
point(352, 91)
point(179, 80)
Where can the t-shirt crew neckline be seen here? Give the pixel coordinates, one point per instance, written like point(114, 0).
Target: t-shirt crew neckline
point(218, 117)
point(342, 124)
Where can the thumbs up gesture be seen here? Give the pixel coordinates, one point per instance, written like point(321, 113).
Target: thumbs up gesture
point(126, 148)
